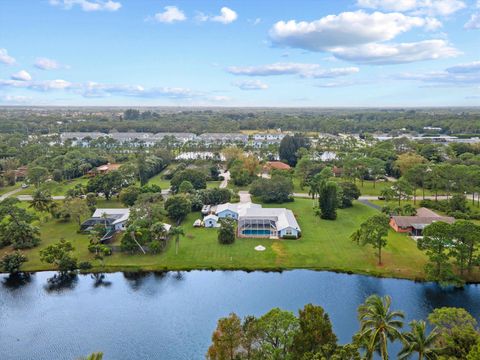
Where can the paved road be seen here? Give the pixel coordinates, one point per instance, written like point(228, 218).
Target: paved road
point(10, 193)
point(375, 197)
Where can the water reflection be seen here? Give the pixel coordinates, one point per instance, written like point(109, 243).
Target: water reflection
point(99, 280)
point(17, 280)
point(61, 282)
point(171, 315)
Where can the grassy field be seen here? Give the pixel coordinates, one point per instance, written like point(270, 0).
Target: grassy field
point(6, 189)
point(325, 245)
point(56, 188)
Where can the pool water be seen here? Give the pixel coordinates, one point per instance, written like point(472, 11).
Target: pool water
point(257, 232)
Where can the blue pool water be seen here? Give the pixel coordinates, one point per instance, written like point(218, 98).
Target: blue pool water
point(257, 232)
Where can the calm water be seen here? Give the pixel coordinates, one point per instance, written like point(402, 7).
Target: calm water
point(172, 315)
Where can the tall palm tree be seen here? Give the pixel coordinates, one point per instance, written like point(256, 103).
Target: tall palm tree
point(41, 200)
point(418, 341)
point(176, 232)
point(378, 325)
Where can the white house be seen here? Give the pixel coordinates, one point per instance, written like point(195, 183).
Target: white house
point(229, 210)
point(211, 221)
point(118, 217)
point(255, 221)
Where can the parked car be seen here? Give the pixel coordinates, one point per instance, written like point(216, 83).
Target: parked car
point(381, 197)
point(24, 186)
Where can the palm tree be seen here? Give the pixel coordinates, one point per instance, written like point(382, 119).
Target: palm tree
point(176, 232)
point(159, 232)
point(418, 341)
point(378, 324)
point(41, 200)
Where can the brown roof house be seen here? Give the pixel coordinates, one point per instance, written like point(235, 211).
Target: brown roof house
point(103, 169)
point(414, 225)
point(276, 165)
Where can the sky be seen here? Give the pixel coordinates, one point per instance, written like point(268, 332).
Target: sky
point(302, 53)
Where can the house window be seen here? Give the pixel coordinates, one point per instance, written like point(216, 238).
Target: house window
point(288, 232)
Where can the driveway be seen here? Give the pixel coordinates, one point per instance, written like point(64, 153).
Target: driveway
point(226, 179)
point(244, 197)
point(10, 193)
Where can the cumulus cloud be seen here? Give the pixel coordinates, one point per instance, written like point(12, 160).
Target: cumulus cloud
point(94, 89)
point(226, 16)
point(384, 54)
point(15, 99)
point(345, 29)
point(459, 75)
point(364, 38)
point(474, 22)
point(22, 75)
point(250, 85)
point(47, 64)
point(425, 7)
point(5, 58)
point(170, 15)
point(301, 69)
point(88, 5)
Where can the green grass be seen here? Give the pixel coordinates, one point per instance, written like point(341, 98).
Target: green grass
point(56, 188)
point(158, 180)
point(6, 189)
point(325, 245)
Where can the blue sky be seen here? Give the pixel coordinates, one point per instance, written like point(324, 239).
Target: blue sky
point(240, 53)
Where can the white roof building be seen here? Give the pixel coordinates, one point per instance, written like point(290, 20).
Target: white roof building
point(119, 215)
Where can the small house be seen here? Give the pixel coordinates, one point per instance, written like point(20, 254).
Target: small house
point(113, 219)
point(414, 225)
point(211, 221)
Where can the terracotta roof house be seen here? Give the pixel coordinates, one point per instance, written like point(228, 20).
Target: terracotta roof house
point(276, 165)
point(337, 172)
point(103, 169)
point(415, 224)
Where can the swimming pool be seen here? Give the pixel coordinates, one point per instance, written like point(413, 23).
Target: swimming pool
point(257, 232)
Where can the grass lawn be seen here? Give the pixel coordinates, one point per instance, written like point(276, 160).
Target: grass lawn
point(325, 245)
point(56, 188)
point(158, 180)
point(6, 189)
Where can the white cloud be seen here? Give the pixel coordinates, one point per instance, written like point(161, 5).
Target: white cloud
point(250, 85)
point(15, 99)
point(94, 89)
point(301, 69)
point(425, 7)
point(5, 58)
point(472, 67)
point(474, 22)
point(226, 16)
point(381, 54)
point(389, 5)
point(346, 29)
point(170, 15)
point(88, 5)
point(459, 75)
point(47, 64)
point(22, 75)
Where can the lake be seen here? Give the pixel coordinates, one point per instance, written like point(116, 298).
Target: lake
point(172, 315)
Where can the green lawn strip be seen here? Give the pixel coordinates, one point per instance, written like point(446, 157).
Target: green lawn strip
point(55, 188)
point(325, 245)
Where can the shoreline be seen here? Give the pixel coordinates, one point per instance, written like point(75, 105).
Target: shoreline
point(137, 269)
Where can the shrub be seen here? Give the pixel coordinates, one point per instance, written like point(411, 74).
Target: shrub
point(11, 263)
point(155, 247)
point(85, 265)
